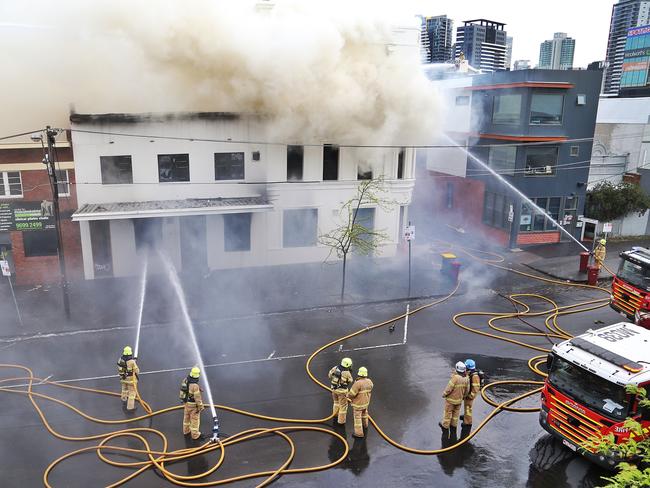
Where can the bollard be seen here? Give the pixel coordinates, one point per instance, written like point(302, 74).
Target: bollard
point(592, 275)
point(584, 261)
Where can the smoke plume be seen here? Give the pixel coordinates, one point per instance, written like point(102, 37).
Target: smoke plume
point(322, 71)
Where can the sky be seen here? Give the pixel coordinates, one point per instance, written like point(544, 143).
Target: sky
point(530, 23)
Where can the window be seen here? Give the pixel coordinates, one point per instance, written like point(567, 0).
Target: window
point(330, 162)
point(541, 161)
point(295, 162)
point(366, 217)
point(532, 220)
point(364, 173)
point(400, 163)
point(299, 228)
point(40, 243)
point(495, 210)
point(237, 232)
point(10, 184)
point(575, 151)
point(581, 99)
point(116, 169)
point(100, 242)
point(148, 233)
point(450, 195)
point(546, 109)
point(228, 166)
point(502, 159)
point(63, 182)
point(462, 100)
point(507, 109)
point(174, 167)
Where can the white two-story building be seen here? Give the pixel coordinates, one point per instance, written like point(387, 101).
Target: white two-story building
point(211, 192)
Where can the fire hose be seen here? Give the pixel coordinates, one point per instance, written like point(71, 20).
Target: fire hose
point(161, 459)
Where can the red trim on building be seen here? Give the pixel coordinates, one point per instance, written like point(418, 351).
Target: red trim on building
point(523, 84)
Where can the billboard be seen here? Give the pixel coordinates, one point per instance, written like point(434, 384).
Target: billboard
point(26, 216)
point(638, 31)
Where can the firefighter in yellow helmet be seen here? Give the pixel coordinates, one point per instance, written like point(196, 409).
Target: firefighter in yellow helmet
point(457, 389)
point(600, 252)
point(341, 380)
point(128, 370)
point(190, 395)
point(359, 396)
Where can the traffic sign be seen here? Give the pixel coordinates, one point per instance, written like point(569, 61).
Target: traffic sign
point(607, 227)
point(409, 233)
point(4, 264)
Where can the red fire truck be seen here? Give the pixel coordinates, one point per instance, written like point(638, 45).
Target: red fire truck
point(584, 395)
point(631, 286)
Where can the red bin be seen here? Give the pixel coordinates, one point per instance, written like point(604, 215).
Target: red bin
point(592, 275)
point(454, 271)
point(584, 261)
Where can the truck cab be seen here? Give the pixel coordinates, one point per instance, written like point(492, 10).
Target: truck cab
point(631, 286)
point(584, 396)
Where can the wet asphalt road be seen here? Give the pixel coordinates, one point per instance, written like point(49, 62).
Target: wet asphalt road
point(257, 364)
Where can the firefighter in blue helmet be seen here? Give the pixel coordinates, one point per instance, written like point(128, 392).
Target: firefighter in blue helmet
point(474, 389)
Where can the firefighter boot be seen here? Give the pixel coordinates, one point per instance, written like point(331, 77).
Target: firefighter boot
point(465, 429)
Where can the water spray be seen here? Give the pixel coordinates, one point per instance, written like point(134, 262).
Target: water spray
point(517, 191)
point(143, 289)
point(175, 281)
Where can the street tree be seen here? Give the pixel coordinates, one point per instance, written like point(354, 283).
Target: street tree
point(607, 201)
point(352, 233)
point(635, 472)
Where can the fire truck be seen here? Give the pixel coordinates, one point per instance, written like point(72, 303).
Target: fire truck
point(584, 395)
point(631, 286)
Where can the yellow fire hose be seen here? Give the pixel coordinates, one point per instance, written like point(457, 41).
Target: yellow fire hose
point(161, 459)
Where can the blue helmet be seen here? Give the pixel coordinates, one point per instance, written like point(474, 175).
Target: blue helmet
point(470, 364)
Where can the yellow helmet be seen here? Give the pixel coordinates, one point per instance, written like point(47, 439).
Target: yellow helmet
point(127, 351)
point(363, 372)
point(603, 242)
point(346, 362)
point(195, 372)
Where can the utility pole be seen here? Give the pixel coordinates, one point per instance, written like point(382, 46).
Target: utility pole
point(49, 161)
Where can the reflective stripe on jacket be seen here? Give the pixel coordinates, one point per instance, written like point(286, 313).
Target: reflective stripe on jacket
point(475, 386)
point(457, 389)
point(360, 393)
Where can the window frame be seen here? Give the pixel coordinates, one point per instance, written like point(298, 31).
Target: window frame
point(228, 244)
point(295, 155)
point(553, 166)
point(29, 234)
point(293, 244)
point(497, 169)
point(230, 168)
point(547, 226)
point(104, 173)
point(494, 109)
point(335, 149)
point(66, 182)
point(6, 186)
point(545, 94)
point(171, 155)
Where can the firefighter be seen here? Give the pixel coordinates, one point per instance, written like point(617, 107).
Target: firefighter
point(474, 380)
point(457, 389)
point(359, 397)
point(599, 253)
point(128, 370)
point(190, 395)
point(341, 380)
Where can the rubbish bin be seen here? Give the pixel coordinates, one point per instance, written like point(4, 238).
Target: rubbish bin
point(592, 275)
point(584, 261)
point(447, 260)
point(454, 271)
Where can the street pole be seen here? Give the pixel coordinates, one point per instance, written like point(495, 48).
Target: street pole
point(409, 294)
point(49, 161)
point(13, 295)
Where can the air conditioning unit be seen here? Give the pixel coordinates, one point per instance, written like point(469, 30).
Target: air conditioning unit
point(548, 170)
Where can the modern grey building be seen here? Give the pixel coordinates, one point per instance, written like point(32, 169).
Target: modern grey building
point(483, 43)
point(508, 52)
point(625, 15)
point(557, 53)
point(437, 33)
point(522, 64)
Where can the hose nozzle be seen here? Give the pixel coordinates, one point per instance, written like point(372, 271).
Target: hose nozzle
point(215, 430)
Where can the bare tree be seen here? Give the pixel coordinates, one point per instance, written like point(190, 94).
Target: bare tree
point(352, 234)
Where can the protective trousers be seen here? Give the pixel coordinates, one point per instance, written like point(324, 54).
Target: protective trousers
point(128, 393)
point(360, 420)
point(191, 420)
point(451, 415)
point(467, 414)
point(340, 406)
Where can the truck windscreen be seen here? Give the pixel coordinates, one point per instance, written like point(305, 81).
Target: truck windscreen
point(586, 388)
point(634, 274)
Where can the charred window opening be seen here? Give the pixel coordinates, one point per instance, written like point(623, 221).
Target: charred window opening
point(40, 243)
point(237, 232)
point(148, 233)
point(330, 162)
point(116, 169)
point(364, 173)
point(300, 227)
point(295, 162)
point(541, 161)
point(100, 243)
point(229, 166)
point(400, 163)
point(173, 167)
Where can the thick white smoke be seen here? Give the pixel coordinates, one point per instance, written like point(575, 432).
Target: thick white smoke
point(322, 70)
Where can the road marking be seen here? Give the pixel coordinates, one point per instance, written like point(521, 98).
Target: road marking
point(406, 322)
point(271, 355)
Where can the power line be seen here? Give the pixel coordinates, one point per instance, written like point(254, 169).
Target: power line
point(21, 134)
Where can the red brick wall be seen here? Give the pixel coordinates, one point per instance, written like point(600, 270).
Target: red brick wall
point(529, 238)
point(45, 269)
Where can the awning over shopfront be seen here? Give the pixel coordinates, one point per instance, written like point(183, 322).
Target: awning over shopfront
point(170, 208)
